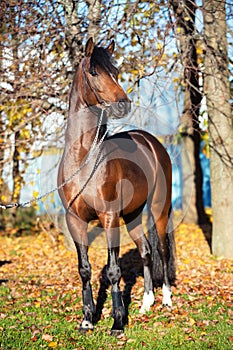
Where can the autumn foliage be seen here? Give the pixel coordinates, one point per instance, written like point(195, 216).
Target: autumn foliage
point(40, 296)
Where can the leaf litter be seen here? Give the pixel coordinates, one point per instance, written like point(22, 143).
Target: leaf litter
point(42, 274)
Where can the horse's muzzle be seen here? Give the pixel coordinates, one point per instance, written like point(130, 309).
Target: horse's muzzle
point(124, 106)
point(121, 108)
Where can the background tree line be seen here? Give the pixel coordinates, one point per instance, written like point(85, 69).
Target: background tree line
point(41, 46)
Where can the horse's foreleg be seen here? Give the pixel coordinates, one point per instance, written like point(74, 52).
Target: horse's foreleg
point(85, 273)
point(111, 225)
point(136, 232)
point(78, 230)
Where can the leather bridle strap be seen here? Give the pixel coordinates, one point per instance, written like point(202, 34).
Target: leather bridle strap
point(93, 90)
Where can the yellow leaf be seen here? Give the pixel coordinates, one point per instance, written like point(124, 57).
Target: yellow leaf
point(25, 133)
point(129, 90)
point(159, 46)
point(134, 71)
point(35, 194)
point(52, 344)
point(191, 321)
point(199, 50)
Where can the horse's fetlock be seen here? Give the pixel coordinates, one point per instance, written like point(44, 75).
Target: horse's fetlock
point(114, 274)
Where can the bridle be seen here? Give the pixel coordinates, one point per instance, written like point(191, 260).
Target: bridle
point(100, 101)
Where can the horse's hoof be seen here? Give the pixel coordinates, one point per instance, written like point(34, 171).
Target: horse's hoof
point(167, 304)
point(85, 326)
point(148, 301)
point(168, 307)
point(117, 332)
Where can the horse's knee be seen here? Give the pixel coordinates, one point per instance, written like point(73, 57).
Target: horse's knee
point(85, 272)
point(145, 252)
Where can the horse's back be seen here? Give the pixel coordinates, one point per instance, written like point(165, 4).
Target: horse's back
point(144, 164)
point(136, 141)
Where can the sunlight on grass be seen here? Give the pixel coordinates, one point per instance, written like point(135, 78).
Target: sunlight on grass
point(41, 306)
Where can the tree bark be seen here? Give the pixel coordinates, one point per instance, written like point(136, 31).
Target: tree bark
point(193, 207)
point(217, 90)
point(94, 17)
point(73, 34)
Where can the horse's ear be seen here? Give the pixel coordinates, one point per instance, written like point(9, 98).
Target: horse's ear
point(111, 47)
point(89, 47)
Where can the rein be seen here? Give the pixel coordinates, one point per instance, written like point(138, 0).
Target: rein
point(94, 148)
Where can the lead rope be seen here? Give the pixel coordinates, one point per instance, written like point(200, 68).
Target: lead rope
point(94, 148)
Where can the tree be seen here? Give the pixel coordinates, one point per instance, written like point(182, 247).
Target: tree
point(41, 45)
point(190, 130)
point(217, 91)
point(30, 57)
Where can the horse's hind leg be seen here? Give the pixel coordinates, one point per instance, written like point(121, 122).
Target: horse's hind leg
point(165, 255)
point(136, 233)
point(110, 223)
point(78, 230)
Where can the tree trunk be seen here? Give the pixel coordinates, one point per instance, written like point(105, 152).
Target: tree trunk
point(193, 207)
point(16, 177)
point(94, 17)
point(73, 34)
point(217, 89)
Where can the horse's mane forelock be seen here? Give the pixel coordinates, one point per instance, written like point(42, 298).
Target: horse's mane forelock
point(101, 57)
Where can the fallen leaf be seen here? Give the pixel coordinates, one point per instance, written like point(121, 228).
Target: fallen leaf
point(52, 344)
point(47, 337)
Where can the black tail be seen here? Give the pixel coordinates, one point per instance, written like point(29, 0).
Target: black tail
point(157, 265)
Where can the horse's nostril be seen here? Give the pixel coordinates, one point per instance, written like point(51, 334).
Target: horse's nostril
point(122, 104)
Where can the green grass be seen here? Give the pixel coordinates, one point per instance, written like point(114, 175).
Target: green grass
point(51, 320)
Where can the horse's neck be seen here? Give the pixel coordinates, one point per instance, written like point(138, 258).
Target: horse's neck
point(82, 126)
point(82, 122)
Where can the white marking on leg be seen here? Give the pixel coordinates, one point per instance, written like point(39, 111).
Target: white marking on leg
point(167, 293)
point(148, 300)
point(86, 325)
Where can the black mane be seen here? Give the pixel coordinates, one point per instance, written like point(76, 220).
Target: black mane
point(102, 57)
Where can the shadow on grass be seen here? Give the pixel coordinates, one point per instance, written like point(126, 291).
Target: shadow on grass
point(4, 262)
point(131, 268)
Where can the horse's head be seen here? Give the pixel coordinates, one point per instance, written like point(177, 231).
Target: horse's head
point(100, 80)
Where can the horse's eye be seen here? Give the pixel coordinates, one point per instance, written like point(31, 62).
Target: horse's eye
point(93, 72)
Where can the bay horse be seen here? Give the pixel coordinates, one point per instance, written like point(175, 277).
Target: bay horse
point(112, 177)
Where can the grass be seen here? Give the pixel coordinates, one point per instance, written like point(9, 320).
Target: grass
point(50, 322)
point(41, 307)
